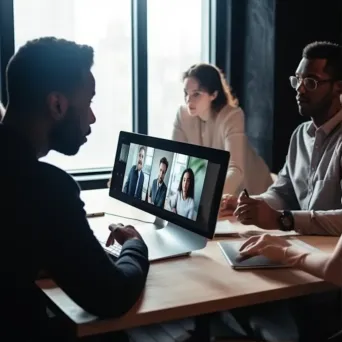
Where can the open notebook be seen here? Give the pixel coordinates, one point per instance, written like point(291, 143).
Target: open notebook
point(230, 250)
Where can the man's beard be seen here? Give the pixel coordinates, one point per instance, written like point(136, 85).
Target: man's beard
point(318, 109)
point(66, 136)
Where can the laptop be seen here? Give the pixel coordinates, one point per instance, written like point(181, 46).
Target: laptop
point(178, 183)
point(230, 250)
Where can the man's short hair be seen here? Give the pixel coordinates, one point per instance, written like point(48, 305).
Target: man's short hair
point(164, 161)
point(142, 148)
point(326, 50)
point(45, 65)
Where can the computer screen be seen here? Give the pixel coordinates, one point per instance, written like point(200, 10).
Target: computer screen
point(178, 182)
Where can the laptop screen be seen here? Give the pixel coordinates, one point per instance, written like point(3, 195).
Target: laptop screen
point(178, 182)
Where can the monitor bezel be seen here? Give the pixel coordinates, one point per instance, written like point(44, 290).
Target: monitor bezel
point(220, 157)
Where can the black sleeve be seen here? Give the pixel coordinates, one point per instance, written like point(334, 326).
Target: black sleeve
point(78, 263)
point(125, 190)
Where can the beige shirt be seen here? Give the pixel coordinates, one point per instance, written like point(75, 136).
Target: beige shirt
point(226, 131)
point(310, 182)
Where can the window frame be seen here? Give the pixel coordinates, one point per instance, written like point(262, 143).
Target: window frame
point(98, 178)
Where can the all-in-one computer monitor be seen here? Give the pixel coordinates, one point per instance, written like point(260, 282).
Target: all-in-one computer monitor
point(179, 183)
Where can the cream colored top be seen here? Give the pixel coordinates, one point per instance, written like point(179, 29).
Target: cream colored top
point(226, 131)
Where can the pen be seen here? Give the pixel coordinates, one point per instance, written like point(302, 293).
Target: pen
point(246, 192)
point(95, 214)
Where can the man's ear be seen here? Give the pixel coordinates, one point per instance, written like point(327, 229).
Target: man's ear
point(338, 87)
point(57, 105)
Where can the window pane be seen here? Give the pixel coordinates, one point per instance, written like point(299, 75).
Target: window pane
point(106, 26)
point(177, 33)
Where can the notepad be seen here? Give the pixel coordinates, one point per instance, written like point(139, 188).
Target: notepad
point(230, 250)
point(229, 229)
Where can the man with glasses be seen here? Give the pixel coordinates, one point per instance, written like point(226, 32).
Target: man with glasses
point(307, 194)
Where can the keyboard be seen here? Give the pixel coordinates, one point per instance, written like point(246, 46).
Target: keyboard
point(113, 250)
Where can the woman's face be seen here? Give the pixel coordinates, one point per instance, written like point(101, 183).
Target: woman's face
point(198, 101)
point(186, 182)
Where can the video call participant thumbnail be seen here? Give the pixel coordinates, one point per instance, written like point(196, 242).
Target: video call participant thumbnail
point(158, 190)
point(135, 180)
point(182, 203)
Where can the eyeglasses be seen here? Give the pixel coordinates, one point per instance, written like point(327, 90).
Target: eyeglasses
point(310, 84)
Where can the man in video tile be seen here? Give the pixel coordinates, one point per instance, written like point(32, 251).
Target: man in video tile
point(135, 180)
point(158, 191)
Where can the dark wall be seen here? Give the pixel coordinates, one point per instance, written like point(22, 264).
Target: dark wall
point(266, 38)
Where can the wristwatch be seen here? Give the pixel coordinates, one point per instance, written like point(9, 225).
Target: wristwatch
point(286, 221)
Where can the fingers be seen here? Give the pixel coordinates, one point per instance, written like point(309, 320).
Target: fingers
point(242, 208)
point(243, 199)
point(110, 241)
point(111, 238)
point(113, 226)
point(246, 214)
point(249, 241)
point(228, 201)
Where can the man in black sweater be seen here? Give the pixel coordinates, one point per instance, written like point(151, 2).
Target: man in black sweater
point(43, 223)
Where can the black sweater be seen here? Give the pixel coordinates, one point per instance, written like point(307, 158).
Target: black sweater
point(44, 227)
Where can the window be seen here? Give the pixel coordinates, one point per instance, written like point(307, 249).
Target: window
point(106, 26)
point(177, 37)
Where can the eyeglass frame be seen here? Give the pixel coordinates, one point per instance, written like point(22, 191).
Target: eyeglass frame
point(317, 82)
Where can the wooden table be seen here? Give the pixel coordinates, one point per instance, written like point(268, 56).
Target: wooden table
point(195, 285)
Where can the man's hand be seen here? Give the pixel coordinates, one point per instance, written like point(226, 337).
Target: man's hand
point(228, 205)
point(251, 211)
point(121, 233)
point(272, 247)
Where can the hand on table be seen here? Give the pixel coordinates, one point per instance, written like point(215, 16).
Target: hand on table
point(121, 234)
point(272, 247)
point(251, 211)
point(228, 205)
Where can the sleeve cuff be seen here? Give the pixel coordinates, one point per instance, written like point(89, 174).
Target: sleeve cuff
point(136, 244)
point(302, 221)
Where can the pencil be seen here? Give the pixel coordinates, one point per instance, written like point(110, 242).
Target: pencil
point(246, 192)
point(96, 214)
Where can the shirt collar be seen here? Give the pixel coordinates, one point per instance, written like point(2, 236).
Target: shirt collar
point(328, 127)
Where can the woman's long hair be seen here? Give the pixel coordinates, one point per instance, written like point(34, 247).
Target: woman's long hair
point(211, 79)
point(191, 188)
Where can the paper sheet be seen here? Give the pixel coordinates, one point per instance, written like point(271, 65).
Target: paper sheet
point(236, 229)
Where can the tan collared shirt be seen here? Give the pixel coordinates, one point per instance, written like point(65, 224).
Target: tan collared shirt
point(310, 182)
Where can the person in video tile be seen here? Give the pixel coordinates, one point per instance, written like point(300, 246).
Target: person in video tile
point(135, 180)
point(182, 203)
point(158, 191)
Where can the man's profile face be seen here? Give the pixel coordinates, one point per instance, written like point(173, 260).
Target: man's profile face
point(71, 132)
point(162, 172)
point(140, 159)
point(318, 101)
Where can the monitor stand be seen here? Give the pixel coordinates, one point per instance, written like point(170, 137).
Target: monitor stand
point(167, 240)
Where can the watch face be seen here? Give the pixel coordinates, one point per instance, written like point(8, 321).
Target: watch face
point(286, 221)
